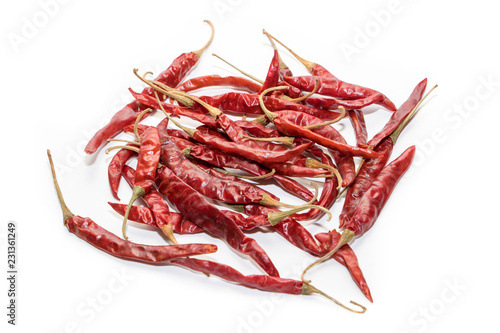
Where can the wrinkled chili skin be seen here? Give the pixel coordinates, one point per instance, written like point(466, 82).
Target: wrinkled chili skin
point(349, 104)
point(328, 241)
point(230, 191)
point(261, 282)
point(241, 103)
point(259, 155)
point(106, 241)
point(371, 204)
point(256, 129)
point(334, 87)
point(288, 126)
point(318, 70)
point(400, 114)
point(161, 212)
point(148, 159)
point(139, 214)
point(126, 116)
point(234, 82)
point(175, 109)
point(366, 174)
point(345, 163)
point(273, 74)
point(115, 169)
point(211, 219)
point(358, 123)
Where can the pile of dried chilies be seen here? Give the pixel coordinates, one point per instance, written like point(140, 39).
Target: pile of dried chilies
point(291, 136)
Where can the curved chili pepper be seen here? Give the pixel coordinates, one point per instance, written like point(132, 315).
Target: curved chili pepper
point(334, 87)
point(345, 163)
point(139, 214)
point(402, 112)
point(349, 104)
point(210, 218)
point(235, 82)
point(115, 169)
point(126, 116)
point(106, 241)
point(273, 73)
point(147, 162)
point(358, 123)
point(256, 129)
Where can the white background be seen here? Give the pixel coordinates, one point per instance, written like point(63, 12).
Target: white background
point(432, 258)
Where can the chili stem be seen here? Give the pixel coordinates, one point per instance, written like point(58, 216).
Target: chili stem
point(200, 51)
point(122, 147)
point(168, 231)
point(189, 131)
point(265, 176)
point(308, 289)
point(287, 140)
point(137, 192)
point(66, 212)
point(270, 115)
point(136, 124)
point(239, 70)
point(312, 163)
point(326, 123)
point(301, 98)
point(282, 65)
point(277, 217)
point(127, 141)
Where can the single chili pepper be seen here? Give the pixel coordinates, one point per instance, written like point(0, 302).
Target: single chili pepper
point(335, 103)
point(329, 84)
point(108, 242)
point(400, 114)
point(272, 77)
point(261, 282)
point(221, 159)
point(345, 163)
point(358, 123)
point(235, 82)
point(210, 218)
point(289, 128)
point(147, 162)
point(329, 240)
point(241, 103)
point(372, 202)
point(175, 109)
point(115, 169)
point(126, 116)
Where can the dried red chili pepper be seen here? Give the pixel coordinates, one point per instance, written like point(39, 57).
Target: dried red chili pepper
point(358, 123)
point(372, 202)
point(235, 82)
point(139, 214)
point(289, 128)
point(106, 241)
point(115, 169)
point(273, 73)
point(126, 116)
point(210, 218)
point(147, 162)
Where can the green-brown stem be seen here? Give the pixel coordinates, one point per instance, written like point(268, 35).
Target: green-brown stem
point(301, 98)
point(286, 140)
point(66, 212)
point(308, 289)
point(189, 131)
point(270, 115)
point(137, 192)
point(282, 64)
point(200, 51)
point(122, 147)
point(126, 141)
point(345, 238)
point(326, 123)
point(265, 176)
point(239, 70)
point(312, 163)
point(168, 231)
point(136, 124)
point(277, 217)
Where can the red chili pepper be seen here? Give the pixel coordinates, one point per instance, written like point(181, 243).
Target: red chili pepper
point(126, 116)
point(358, 123)
point(235, 82)
point(256, 129)
point(139, 214)
point(272, 77)
point(402, 112)
point(147, 163)
point(210, 218)
point(290, 128)
point(115, 169)
point(335, 103)
point(108, 242)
